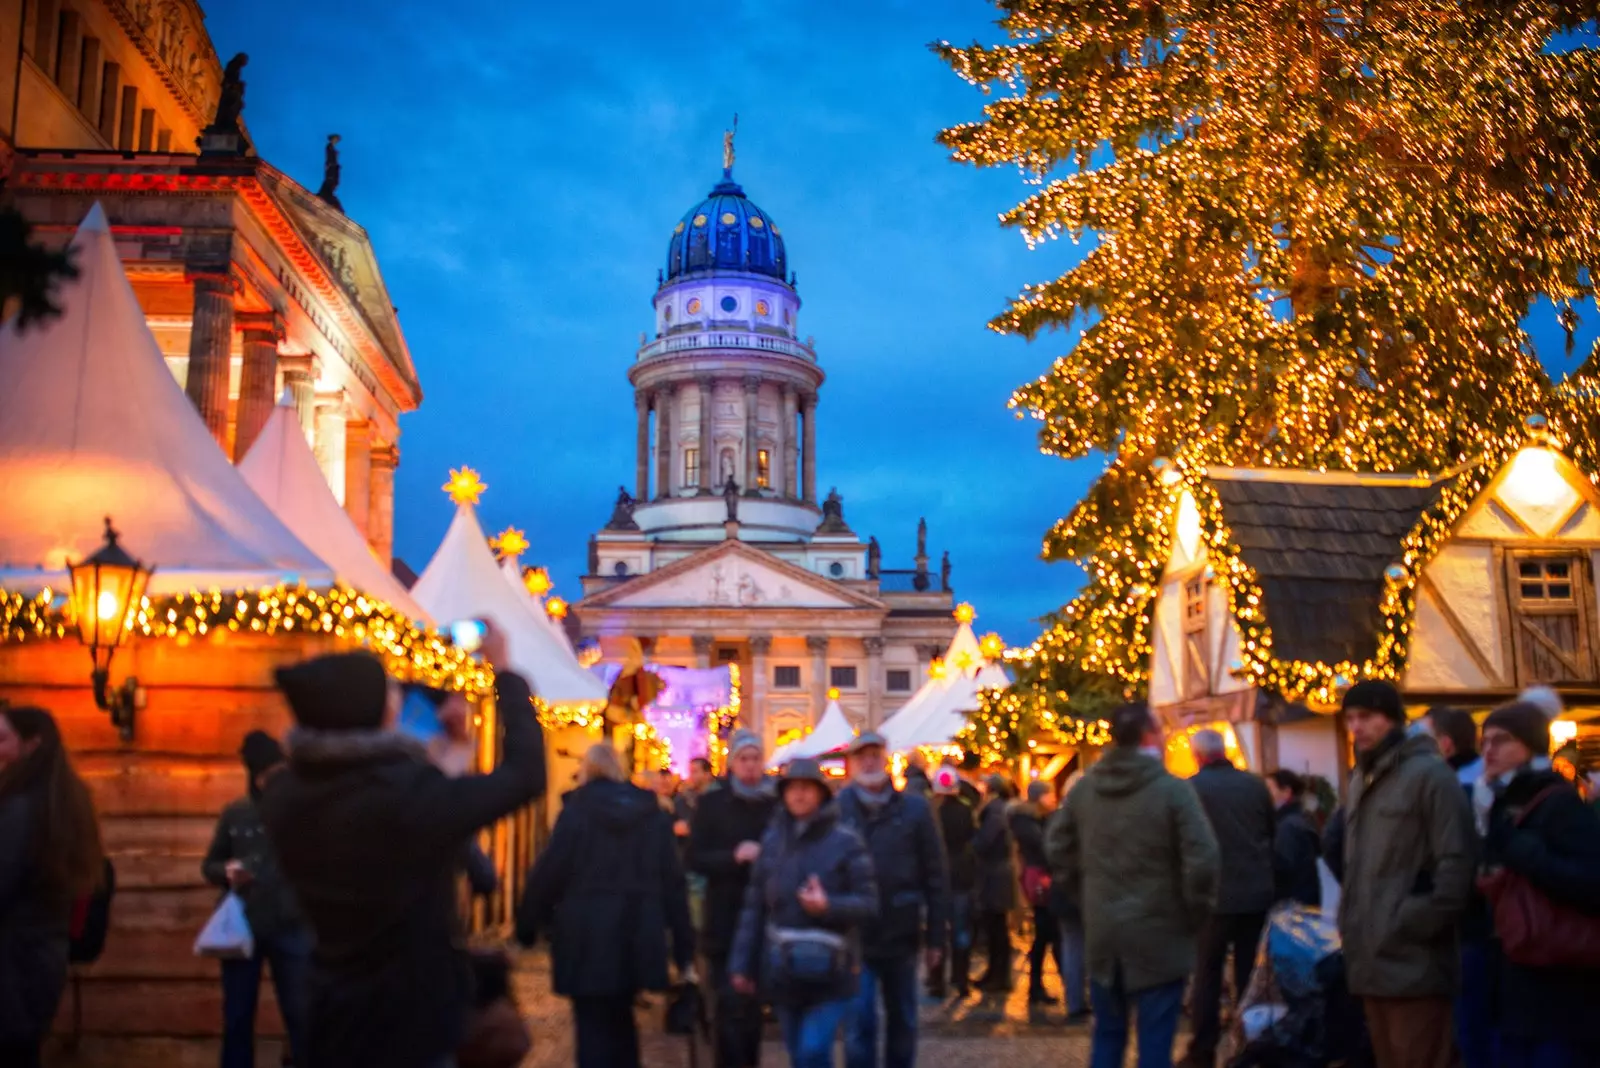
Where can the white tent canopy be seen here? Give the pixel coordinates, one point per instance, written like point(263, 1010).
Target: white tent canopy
point(512, 567)
point(462, 581)
point(282, 469)
point(937, 712)
point(92, 424)
point(833, 732)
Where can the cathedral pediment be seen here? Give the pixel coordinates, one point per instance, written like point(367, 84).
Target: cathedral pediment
point(732, 575)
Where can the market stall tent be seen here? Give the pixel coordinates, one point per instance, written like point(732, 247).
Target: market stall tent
point(833, 733)
point(283, 471)
point(93, 424)
point(938, 711)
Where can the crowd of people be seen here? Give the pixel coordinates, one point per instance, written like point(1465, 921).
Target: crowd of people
point(841, 910)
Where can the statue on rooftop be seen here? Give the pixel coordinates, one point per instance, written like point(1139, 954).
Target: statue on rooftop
point(622, 512)
point(230, 104)
point(922, 537)
point(874, 557)
point(727, 146)
point(330, 174)
point(730, 497)
point(944, 571)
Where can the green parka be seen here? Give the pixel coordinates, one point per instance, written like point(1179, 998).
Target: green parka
point(1408, 860)
point(1133, 846)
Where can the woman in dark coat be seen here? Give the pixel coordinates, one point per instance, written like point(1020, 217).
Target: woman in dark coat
point(606, 892)
point(1538, 827)
point(1296, 845)
point(957, 828)
point(996, 890)
point(49, 857)
point(810, 891)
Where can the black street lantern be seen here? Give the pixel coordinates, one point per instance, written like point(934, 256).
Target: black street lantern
point(106, 591)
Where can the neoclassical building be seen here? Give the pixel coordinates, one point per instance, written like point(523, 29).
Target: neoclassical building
point(251, 282)
point(723, 551)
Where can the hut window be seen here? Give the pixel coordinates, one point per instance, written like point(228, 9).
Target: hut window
point(1196, 669)
point(1551, 621)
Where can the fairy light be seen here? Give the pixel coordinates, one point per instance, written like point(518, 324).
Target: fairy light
point(1306, 253)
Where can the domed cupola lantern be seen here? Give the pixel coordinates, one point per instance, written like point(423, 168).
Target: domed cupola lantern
point(726, 232)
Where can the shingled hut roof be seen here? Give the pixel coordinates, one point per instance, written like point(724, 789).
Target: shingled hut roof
point(1319, 545)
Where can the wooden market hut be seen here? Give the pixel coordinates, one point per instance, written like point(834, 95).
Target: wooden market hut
point(1283, 587)
point(93, 424)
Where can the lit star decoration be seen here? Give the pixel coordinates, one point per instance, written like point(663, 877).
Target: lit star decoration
point(992, 646)
point(833, 693)
point(464, 487)
point(965, 613)
point(556, 607)
point(1314, 237)
point(510, 542)
point(537, 581)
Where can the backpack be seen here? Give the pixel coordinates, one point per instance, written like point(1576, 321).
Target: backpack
point(91, 919)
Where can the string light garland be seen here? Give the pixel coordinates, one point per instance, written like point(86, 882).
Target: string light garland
point(1310, 249)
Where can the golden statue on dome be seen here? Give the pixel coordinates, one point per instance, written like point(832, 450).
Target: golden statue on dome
point(727, 145)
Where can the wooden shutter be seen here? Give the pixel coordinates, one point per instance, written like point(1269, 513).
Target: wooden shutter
point(1196, 662)
point(1550, 596)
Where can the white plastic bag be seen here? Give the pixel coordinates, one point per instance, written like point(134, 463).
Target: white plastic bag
point(227, 934)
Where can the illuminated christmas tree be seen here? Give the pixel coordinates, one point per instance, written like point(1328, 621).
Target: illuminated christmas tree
point(1314, 235)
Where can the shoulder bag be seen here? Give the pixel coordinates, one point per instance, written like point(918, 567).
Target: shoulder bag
point(1535, 931)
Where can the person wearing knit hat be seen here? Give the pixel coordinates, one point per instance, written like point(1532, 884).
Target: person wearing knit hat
point(1537, 827)
point(369, 834)
point(956, 828)
point(1027, 819)
point(1408, 875)
point(241, 860)
point(995, 893)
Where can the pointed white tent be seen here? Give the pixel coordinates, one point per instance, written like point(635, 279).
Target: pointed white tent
point(92, 424)
point(462, 581)
point(833, 732)
point(283, 471)
point(937, 712)
point(512, 567)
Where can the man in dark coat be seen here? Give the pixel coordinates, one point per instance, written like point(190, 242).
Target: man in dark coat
point(1295, 844)
point(241, 859)
point(724, 844)
point(913, 909)
point(957, 829)
point(996, 892)
point(370, 834)
point(1241, 814)
point(1408, 863)
point(607, 891)
point(1027, 829)
point(1540, 829)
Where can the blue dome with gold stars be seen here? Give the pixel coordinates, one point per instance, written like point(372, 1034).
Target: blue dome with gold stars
point(726, 232)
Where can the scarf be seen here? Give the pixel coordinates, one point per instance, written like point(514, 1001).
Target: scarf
point(764, 788)
point(1369, 759)
point(873, 798)
point(1486, 791)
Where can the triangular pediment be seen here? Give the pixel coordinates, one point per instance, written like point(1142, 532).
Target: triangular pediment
point(732, 575)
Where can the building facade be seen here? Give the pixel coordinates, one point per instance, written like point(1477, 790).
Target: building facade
point(251, 283)
point(723, 551)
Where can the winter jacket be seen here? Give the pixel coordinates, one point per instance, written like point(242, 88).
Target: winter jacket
point(369, 835)
point(33, 929)
point(996, 889)
point(791, 855)
point(917, 782)
point(909, 865)
point(1133, 846)
point(1241, 812)
point(1027, 830)
point(957, 829)
point(1407, 873)
point(606, 891)
point(269, 903)
point(722, 820)
point(1557, 849)
point(1295, 849)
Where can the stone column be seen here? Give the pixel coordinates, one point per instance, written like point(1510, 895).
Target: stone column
point(358, 474)
point(329, 445)
point(808, 414)
point(210, 347)
point(780, 445)
point(380, 516)
point(755, 695)
point(874, 647)
point(752, 399)
point(702, 649)
point(707, 443)
point(664, 399)
point(791, 447)
point(300, 379)
point(641, 403)
point(258, 378)
point(818, 645)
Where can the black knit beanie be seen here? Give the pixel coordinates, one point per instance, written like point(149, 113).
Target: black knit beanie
point(1377, 695)
point(260, 752)
point(1524, 721)
point(341, 691)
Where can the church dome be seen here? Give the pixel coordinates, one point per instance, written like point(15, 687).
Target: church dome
point(726, 232)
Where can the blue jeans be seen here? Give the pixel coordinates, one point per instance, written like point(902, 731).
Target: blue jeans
point(808, 1032)
point(289, 956)
point(1156, 1023)
point(896, 977)
point(1474, 1029)
point(1074, 974)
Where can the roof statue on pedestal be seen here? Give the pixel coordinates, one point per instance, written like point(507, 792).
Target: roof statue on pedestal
point(833, 515)
point(230, 104)
point(921, 582)
point(622, 512)
point(944, 571)
point(730, 497)
point(727, 147)
point(922, 537)
point(330, 174)
point(874, 557)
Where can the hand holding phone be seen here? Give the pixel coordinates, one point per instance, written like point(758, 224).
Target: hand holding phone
point(467, 634)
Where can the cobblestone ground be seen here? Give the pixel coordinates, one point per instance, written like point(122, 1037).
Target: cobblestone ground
point(974, 1033)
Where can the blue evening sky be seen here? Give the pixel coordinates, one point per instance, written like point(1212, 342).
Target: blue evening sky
point(520, 167)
